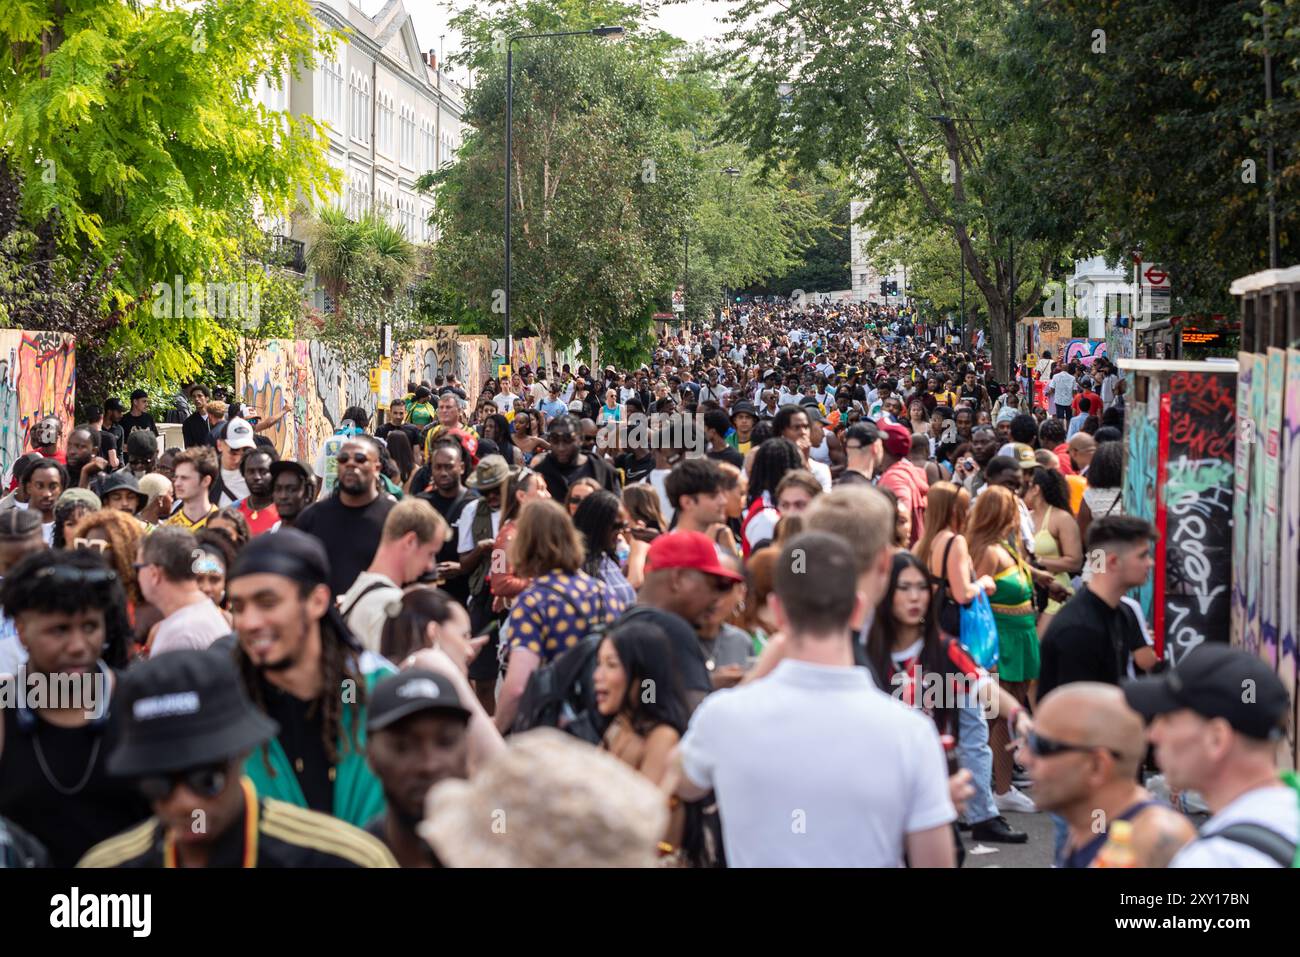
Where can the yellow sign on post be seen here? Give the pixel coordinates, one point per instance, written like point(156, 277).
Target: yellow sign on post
point(374, 381)
point(504, 371)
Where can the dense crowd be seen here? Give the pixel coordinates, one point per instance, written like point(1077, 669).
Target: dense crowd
point(809, 588)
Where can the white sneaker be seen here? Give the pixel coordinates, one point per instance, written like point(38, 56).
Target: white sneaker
point(1016, 800)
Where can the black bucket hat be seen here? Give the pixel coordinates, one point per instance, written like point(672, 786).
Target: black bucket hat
point(185, 709)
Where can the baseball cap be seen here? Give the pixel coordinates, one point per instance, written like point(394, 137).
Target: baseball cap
point(1213, 680)
point(812, 410)
point(184, 710)
point(238, 434)
point(141, 443)
point(688, 550)
point(113, 405)
point(289, 465)
point(1022, 453)
point(898, 441)
point(411, 692)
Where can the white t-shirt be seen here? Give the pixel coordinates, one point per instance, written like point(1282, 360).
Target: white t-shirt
point(1062, 388)
point(815, 767)
point(366, 615)
point(195, 627)
point(656, 478)
point(821, 470)
point(234, 487)
point(1044, 367)
point(505, 402)
point(465, 526)
point(47, 532)
point(1273, 807)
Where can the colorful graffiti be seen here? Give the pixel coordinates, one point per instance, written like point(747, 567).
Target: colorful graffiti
point(1045, 335)
point(1085, 351)
point(38, 377)
point(1241, 500)
point(1272, 426)
point(1289, 619)
point(317, 384)
point(1140, 478)
point(1119, 342)
point(1194, 581)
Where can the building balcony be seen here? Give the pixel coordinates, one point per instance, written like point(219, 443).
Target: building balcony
point(288, 253)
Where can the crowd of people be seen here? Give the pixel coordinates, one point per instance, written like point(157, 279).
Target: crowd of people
point(808, 588)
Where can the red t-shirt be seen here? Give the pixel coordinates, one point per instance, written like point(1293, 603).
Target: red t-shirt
point(1063, 456)
point(1094, 403)
point(258, 521)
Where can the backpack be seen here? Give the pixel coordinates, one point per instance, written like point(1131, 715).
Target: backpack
point(561, 694)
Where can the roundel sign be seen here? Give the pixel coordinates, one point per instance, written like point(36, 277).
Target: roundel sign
point(1155, 277)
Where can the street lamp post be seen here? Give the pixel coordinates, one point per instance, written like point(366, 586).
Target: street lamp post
point(510, 96)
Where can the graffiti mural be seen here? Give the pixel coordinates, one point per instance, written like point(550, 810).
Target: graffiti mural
point(1119, 342)
point(1290, 560)
point(1140, 478)
point(1241, 501)
point(1085, 350)
point(38, 377)
point(317, 384)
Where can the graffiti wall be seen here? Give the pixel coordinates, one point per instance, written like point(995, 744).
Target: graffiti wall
point(315, 384)
point(1141, 441)
point(38, 377)
point(1119, 342)
point(1193, 575)
point(1044, 335)
point(1085, 350)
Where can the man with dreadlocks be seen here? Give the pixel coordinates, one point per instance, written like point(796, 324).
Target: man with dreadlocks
point(304, 669)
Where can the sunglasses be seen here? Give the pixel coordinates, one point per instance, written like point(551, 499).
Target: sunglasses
point(206, 782)
point(1041, 747)
point(359, 457)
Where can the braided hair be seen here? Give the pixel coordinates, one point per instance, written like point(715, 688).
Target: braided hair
point(340, 665)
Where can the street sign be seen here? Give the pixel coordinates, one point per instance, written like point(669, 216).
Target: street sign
point(1154, 277)
point(374, 381)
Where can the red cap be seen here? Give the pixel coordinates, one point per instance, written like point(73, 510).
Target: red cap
point(898, 441)
point(688, 550)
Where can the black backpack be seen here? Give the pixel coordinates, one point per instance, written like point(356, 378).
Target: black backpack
point(560, 694)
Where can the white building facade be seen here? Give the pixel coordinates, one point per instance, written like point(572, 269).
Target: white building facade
point(866, 275)
point(392, 114)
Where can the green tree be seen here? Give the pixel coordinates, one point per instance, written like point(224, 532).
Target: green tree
point(370, 269)
point(138, 140)
point(935, 117)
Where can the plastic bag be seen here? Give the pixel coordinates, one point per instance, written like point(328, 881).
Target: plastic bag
point(979, 632)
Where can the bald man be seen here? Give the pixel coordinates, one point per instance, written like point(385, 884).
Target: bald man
point(1083, 757)
point(1081, 449)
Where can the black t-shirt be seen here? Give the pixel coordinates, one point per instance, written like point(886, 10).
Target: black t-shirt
point(728, 455)
point(301, 738)
point(635, 468)
point(196, 432)
point(350, 535)
point(450, 509)
point(688, 656)
point(108, 442)
point(130, 423)
point(560, 478)
point(1088, 641)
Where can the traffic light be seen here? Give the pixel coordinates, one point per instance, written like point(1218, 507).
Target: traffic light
point(884, 287)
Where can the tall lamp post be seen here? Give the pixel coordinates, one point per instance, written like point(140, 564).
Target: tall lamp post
point(510, 97)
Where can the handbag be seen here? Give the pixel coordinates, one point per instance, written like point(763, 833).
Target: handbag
point(979, 632)
point(949, 609)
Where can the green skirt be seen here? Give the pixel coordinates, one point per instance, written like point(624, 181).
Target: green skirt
point(1017, 633)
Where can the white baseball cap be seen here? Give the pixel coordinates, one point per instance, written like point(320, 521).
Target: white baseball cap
point(238, 434)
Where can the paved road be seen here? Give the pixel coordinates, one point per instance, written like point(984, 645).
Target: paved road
point(1037, 853)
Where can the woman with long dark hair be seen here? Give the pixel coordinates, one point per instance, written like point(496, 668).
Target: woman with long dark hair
point(603, 522)
point(637, 690)
point(497, 429)
point(525, 485)
point(772, 460)
point(929, 670)
point(403, 456)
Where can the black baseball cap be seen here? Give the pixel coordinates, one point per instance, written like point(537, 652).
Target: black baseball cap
point(114, 404)
point(1217, 681)
point(409, 692)
point(185, 709)
point(141, 443)
point(865, 431)
point(290, 465)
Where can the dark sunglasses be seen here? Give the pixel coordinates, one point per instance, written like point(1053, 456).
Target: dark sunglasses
point(359, 457)
point(206, 782)
point(1041, 747)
